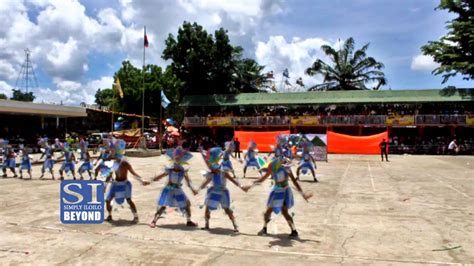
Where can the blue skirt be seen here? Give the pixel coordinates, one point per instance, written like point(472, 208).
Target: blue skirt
point(279, 197)
point(216, 197)
point(48, 164)
point(25, 166)
point(252, 163)
point(9, 163)
point(86, 166)
point(173, 196)
point(120, 191)
point(227, 165)
point(67, 167)
point(306, 166)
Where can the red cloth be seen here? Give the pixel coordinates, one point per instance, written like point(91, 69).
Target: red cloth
point(263, 139)
point(341, 143)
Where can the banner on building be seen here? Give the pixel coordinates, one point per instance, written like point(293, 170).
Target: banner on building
point(305, 120)
point(403, 120)
point(219, 121)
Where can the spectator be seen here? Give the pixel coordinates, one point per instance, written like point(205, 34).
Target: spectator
point(237, 148)
point(452, 147)
point(383, 149)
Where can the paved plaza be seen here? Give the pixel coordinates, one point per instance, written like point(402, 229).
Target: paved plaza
point(413, 209)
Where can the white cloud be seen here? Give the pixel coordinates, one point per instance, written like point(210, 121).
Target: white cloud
point(6, 89)
point(423, 63)
point(296, 55)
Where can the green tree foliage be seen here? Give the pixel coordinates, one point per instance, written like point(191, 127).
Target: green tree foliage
point(349, 70)
point(209, 64)
point(18, 95)
point(455, 50)
point(3, 96)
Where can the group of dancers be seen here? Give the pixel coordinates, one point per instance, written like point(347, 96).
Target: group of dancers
point(219, 171)
point(68, 166)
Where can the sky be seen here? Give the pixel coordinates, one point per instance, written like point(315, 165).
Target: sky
point(77, 45)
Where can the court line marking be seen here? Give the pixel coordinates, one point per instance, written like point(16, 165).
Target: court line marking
point(450, 187)
point(377, 205)
point(331, 208)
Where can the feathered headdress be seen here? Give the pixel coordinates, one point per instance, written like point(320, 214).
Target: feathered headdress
point(178, 155)
point(213, 156)
point(252, 144)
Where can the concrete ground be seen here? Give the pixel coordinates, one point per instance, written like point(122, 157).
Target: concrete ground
point(411, 210)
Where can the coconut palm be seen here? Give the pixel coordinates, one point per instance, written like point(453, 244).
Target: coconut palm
point(351, 70)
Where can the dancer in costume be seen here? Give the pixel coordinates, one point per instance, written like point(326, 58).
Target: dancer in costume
point(69, 161)
point(48, 161)
point(307, 161)
point(218, 194)
point(25, 163)
point(86, 166)
point(9, 159)
point(83, 147)
point(278, 151)
point(250, 157)
point(173, 195)
point(121, 188)
point(226, 155)
point(281, 196)
point(104, 156)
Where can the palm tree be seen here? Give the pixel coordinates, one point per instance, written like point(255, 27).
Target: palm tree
point(352, 70)
point(248, 76)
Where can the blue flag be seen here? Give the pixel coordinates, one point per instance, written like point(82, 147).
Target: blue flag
point(164, 100)
point(286, 73)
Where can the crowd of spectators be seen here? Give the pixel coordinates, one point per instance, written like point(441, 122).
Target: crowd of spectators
point(330, 110)
point(437, 145)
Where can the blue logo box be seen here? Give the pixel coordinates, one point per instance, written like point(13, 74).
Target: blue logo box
point(82, 202)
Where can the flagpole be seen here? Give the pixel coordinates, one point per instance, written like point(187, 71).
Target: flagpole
point(113, 103)
point(143, 92)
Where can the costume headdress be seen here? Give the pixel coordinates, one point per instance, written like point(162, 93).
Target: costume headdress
point(229, 145)
point(178, 155)
point(252, 144)
point(213, 156)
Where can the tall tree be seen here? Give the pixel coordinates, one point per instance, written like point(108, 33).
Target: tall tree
point(248, 76)
point(18, 95)
point(3, 96)
point(455, 50)
point(350, 69)
point(206, 63)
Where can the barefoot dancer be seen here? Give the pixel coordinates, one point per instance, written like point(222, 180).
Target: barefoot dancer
point(121, 187)
point(307, 161)
point(25, 163)
point(69, 161)
point(251, 157)
point(218, 194)
point(281, 196)
point(86, 165)
point(226, 155)
point(9, 159)
point(173, 195)
point(48, 161)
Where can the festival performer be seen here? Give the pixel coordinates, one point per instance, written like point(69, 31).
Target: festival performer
point(281, 196)
point(250, 157)
point(307, 161)
point(25, 163)
point(279, 150)
point(49, 160)
point(69, 161)
point(121, 188)
point(218, 194)
point(9, 158)
point(172, 194)
point(101, 167)
point(226, 155)
point(83, 147)
point(86, 166)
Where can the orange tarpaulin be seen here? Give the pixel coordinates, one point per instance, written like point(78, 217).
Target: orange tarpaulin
point(263, 139)
point(340, 143)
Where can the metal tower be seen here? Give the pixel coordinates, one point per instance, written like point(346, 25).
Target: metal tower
point(27, 77)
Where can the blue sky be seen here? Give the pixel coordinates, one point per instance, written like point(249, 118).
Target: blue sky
point(78, 45)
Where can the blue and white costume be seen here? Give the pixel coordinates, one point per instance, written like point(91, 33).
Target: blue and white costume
point(8, 159)
point(281, 194)
point(68, 164)
point(48, 161)
point(25, 162)
point(226, 162)
point(173, 195)
point(85, 166)
point(251, 159)
point(306, 163)
point(120, 190)
point(218, 194)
